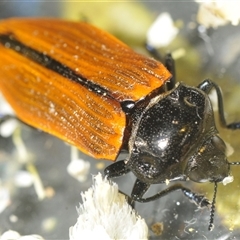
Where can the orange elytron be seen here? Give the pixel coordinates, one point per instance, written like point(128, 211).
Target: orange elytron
point(70, 79)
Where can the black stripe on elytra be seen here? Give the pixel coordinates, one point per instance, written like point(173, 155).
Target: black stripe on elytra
point(10, 42)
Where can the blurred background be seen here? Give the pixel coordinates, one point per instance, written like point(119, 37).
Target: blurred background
point(200, 53)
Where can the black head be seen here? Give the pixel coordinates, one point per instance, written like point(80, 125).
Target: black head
point(209, 163)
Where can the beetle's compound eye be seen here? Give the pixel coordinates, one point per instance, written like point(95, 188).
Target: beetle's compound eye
point(209, 163)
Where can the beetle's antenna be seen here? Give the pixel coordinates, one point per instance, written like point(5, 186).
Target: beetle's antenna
point(211, 226)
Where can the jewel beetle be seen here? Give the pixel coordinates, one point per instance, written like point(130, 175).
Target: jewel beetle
point(86, 87)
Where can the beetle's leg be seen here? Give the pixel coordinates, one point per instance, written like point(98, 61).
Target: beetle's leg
point(140, 189)
point(116, 169)
point(170, 65)
point(206, 86)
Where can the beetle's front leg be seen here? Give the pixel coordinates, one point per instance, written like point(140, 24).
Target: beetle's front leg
point(140, 189)
point(116, 169)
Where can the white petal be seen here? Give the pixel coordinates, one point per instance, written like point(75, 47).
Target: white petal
point(105, 214)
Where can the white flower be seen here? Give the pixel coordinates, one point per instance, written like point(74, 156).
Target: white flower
point(163, 24)
point(218, 13)
point(78, 168)
point(8, 127)
point(105, 214)
point(16, 236)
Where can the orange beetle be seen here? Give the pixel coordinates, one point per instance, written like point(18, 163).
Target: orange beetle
point(69, 79)
point(91, 90)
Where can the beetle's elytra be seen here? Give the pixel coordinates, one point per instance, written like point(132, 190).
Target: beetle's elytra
point(86, 87)
point(83, 73)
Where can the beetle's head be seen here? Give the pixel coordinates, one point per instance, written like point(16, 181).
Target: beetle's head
point(209, 163)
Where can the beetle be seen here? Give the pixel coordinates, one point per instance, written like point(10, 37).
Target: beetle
point(86, 87)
